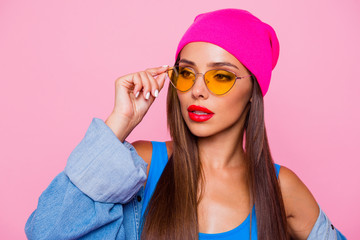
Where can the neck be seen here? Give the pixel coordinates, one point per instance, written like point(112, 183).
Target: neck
point(224, 149)
point(220, 153)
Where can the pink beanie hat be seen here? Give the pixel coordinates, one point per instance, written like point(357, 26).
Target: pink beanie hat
point(251, 41)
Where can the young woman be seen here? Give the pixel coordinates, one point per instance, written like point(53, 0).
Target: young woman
point(215, 180)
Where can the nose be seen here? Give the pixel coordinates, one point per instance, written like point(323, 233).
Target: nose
point(199, 89)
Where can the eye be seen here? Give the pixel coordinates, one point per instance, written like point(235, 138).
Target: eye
point(186, 73)
point(221, 75)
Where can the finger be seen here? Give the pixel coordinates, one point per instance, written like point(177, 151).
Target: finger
point(154, 85)
point(146, 85)
point(161, 80)
point(138, 85)
point(157, 70)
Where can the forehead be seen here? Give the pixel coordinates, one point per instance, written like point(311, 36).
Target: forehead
point(203, 53)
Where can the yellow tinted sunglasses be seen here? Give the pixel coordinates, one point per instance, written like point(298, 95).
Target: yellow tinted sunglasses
point(218, 81)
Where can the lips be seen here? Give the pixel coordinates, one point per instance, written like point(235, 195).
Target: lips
point(199, 113)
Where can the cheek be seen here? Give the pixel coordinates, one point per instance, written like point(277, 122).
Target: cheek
point(231, 110)
point(236, 104)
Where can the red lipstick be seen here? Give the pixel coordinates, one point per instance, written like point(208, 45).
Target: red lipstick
point(199, 113)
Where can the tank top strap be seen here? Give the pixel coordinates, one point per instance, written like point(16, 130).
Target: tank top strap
point(277, 170)
point(159, 160)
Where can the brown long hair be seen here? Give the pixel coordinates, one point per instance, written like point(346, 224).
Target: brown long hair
point(172, 210)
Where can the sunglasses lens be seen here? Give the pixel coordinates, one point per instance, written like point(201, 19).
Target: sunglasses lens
point(219, 81)
point(182, 78)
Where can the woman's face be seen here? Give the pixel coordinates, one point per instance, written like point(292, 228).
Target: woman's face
point(227, 109)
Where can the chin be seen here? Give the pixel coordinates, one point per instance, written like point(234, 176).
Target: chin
point(201, 129)
point(201, 134)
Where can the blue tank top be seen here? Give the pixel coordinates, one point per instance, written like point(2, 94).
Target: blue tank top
point(159, 160)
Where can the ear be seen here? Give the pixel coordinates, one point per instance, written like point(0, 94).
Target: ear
point(251, 99)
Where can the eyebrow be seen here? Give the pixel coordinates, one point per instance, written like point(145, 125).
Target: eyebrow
point(213, 64)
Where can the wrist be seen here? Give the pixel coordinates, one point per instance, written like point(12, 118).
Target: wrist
point(120, 126)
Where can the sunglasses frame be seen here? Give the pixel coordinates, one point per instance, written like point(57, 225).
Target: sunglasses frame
point(196, 75)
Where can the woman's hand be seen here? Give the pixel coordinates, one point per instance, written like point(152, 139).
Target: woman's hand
point(134, 94)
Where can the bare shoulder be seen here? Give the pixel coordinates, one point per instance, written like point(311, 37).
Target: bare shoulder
point(290, 183)
point(301, 207)
point(145, 148)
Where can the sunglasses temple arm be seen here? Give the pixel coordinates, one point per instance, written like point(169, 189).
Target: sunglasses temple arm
point(244, 76)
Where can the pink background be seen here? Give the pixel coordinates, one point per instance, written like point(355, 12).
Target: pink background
point(59, 61)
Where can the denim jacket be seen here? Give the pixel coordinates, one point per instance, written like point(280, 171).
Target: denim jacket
point(99, 195)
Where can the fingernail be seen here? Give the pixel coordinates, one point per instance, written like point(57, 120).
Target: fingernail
point(156, 93)
point(165, 65)
point(147, 95)
point(137, 94)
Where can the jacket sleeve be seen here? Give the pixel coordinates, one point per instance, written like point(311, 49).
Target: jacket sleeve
point(104, 168)
point(87, 199)
point(324, 229)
